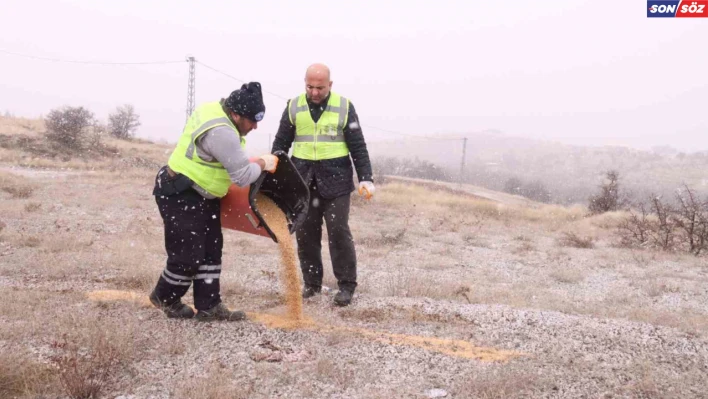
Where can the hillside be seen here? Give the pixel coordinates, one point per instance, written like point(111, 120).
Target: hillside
point(571, 173)
point(476, 294)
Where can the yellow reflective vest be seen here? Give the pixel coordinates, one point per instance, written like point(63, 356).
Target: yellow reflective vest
point(324, 139)
point(211, 176)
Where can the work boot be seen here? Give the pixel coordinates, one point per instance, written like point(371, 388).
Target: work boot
point(177, 310)
point(343, 298)
point(220, 312)
point(310, 290)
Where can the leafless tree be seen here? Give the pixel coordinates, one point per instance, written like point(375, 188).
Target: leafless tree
point(635, 230)
point(691, 216)
point(663, 233)
point(608, 199)
point(124, 122)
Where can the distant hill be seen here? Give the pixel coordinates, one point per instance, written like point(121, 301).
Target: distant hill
point(570, 173)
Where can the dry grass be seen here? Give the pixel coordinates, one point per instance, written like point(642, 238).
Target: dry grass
point(608, 220)
point(567, 275)
point(139, 279)
point(333, 372)
point(654, 287)
point(364, 314)
point(86, 352)
point(523, 248)
point(15, 185)
point(32, 207)
point(385, 239)
point(18, 125)
point(23, 143)
point(29, 241)
point(408, 283)
point(455, 248)
point(401, 195)
point(21, 376)
point(570, 239)
point(84, 372)
point(501, 383)
point(217, 384)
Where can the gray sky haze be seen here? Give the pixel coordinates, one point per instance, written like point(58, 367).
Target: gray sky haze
point(575, 71)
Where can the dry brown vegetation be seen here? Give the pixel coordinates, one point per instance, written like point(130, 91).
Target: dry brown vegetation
point(592, 317)
point(15, 185)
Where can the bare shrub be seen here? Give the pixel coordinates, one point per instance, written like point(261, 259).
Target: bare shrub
point(661, 225)
point(691, 217)
point(608, 199)
point(663, 234)
point(16, 186)
point(124, 122)
point(68, 126)
point(84, 372)
point(32, 207)
point(570, 239)
point(635, 230)
point(95, 135)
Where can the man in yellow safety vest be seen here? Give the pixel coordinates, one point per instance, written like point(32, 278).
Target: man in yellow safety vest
point(208, 158)
point(323, 129)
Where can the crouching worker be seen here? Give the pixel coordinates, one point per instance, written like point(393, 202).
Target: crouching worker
point(207, 159)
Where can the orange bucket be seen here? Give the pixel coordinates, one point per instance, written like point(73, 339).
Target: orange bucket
point(239, 208)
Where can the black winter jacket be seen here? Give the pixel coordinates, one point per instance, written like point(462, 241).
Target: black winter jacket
point(333, 177)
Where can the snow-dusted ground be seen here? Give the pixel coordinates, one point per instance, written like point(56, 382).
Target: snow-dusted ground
point(545, 320)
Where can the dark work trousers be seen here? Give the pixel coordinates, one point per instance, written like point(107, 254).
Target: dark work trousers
point(335, 213)
point(194, 242)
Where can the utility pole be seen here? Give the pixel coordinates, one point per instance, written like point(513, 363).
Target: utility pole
point(464, 154)
point(190, 88)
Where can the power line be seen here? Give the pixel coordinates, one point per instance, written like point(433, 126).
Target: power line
point(367, 126)
point(192, 60)
point(34, 57)
point(237, 79)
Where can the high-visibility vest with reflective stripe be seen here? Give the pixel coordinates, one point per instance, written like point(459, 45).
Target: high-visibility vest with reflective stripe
point(211, 176)
point(324, 139)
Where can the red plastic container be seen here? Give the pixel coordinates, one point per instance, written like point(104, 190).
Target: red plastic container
point(239, 209)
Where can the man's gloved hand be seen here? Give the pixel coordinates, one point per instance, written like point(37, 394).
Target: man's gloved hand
point(271, 162)
point(367, 189)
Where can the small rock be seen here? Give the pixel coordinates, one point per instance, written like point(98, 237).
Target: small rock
point(436, 393)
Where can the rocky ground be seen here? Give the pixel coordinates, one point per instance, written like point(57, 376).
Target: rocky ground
point(458, 298)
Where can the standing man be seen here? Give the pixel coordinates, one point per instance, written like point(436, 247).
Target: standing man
point(208, 158)
point(324, 129)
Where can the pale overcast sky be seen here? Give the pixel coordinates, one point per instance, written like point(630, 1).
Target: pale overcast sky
point(576, 71)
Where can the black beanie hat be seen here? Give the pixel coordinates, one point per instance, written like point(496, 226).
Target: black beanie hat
point(247, 101)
